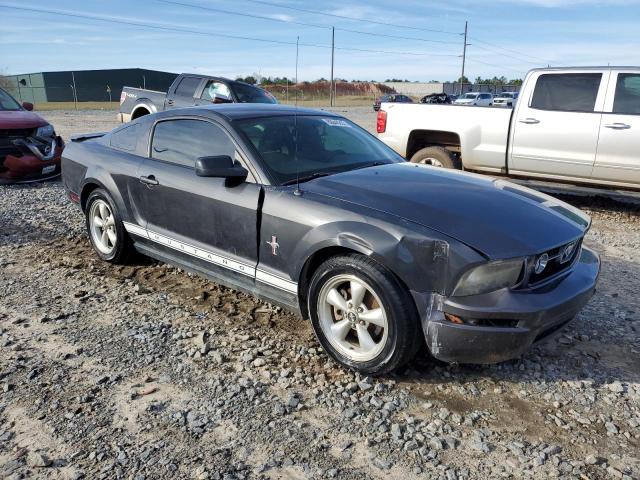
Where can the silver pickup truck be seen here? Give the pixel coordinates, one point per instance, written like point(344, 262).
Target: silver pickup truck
point(578, 125)
point(189, 90)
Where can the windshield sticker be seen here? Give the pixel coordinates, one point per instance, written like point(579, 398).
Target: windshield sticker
point(336, 122)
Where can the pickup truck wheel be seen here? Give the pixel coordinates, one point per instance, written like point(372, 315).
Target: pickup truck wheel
point(362, 316)
point(108, 237)
point(435, 156)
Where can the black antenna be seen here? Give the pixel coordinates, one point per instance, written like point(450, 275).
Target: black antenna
point(297, 191)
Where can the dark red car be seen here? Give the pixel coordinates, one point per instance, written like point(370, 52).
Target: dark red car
point(29, 147)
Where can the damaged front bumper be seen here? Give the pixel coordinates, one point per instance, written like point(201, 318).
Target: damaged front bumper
point(502, 325)
point(29, 159)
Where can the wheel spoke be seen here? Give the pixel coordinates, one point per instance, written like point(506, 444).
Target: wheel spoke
point(364, 338)
point(104, 212)
point(375, 316)
point(98, 222)
point(105, 238)
point(340, 329)
point(335, 299)
point(357, 293)
point(112, 236)
point(110, 221)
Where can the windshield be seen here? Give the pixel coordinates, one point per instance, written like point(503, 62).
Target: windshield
point(505, 95)
point(7, 102)
point(469, 95)
point(249, 94)
point(326, 145)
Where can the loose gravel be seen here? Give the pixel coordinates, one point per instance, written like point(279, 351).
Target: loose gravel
point(144, 371)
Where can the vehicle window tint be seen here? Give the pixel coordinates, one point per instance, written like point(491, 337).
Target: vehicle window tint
point(215, 90)
point(125, 138)
point(324, 145)
point(249, 94)
point(187, 86)
point(627, 99)
point(569, 92)
point(183, 141)
point(7, 102)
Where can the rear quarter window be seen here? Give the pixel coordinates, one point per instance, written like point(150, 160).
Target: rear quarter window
point(126, 138)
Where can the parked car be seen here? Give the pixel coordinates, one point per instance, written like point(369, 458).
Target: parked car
point(478, 99)
point(309, 211)
point(187, 90)
point(505, 99)
point(578, 125)
point(394, 98)
point(437, 98)
point(29, 147)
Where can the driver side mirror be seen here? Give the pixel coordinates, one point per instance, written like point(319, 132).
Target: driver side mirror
point(220, 166)
point(28, 106)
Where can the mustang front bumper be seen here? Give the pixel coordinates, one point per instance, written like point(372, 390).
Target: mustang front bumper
point(502, 325)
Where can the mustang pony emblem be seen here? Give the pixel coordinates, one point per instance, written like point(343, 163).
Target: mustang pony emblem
point(274, 245)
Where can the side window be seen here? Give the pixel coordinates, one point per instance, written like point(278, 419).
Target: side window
point(567, 92)
point(125, 138)
point(216, 90)
point(627, 99)
point(187, 86)
point(183, 141)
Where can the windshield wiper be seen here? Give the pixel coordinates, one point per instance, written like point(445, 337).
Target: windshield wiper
point(306, 178)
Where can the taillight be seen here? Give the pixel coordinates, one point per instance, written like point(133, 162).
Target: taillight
point(381, 124)
point(122, 97)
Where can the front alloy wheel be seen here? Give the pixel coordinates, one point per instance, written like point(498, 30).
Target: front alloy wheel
point(352, 317)
point(362, 315)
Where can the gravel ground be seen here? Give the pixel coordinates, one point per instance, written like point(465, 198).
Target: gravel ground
point(146, 372)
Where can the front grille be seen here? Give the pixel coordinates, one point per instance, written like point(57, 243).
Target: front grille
point(560, 259)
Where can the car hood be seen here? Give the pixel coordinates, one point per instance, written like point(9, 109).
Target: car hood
point(495, 217)
point(10, 119)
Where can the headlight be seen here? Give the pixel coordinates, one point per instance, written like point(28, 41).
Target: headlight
point(489, 277)
point(46, 131)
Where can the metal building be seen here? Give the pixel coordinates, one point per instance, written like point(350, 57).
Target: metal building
point(85, 85)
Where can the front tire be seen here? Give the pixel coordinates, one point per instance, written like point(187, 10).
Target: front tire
point(362, 316)
point(436, 157)
point(106, 232)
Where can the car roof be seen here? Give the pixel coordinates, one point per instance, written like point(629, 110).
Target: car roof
point(239, 111)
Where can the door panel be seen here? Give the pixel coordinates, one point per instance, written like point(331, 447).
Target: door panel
point(204, 214)
point(618, 157)
point(556, 130)
point(184, 92)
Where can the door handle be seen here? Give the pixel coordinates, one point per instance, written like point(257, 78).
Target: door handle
point(149, 180)
point(529, 120)
point(170, 102)
point(618, 126)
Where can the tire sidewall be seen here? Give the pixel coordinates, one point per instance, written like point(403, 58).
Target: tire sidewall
point(351, 267)
point(436, 153)
point(121, 235)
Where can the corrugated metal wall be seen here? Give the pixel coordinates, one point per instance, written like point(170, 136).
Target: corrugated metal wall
point(89, 85)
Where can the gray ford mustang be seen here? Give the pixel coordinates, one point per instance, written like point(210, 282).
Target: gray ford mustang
point(305, 209)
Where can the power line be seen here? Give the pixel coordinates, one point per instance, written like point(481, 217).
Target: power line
point(200, 32)
point(510, 50)
point(494, 65)
point(506, 55)
point(346, 17)
point(296, 22)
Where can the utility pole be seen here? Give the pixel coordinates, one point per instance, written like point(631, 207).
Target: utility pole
point(75, 90)
point(464, 57)
point(331, 93)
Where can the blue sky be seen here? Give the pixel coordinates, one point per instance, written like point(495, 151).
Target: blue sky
point(507, 37)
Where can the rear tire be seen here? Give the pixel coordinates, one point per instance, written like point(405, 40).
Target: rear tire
point(363, 317)
point(436, 157)
point(107, 234)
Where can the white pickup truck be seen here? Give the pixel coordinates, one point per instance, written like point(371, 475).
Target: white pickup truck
point(577, 125)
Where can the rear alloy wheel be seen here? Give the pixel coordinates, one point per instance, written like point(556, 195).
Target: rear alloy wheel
point(436, 157)
point(363, 317)
point(106, 231)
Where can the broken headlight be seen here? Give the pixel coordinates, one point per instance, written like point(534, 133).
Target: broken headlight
point(489, 277)
point(45, 132)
